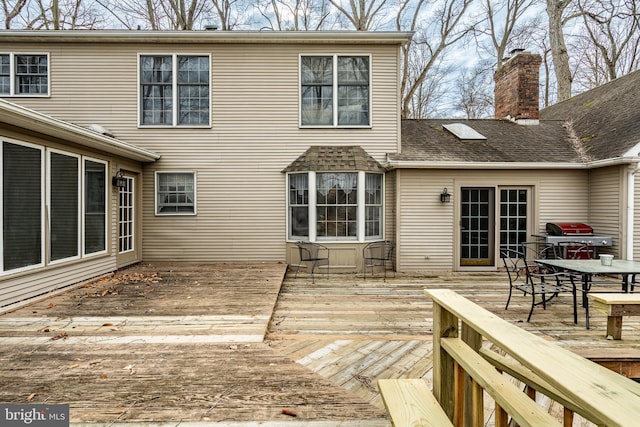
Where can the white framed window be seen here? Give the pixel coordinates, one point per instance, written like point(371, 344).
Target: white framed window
point(23, 197)
point(335, 90)
point(174, 90)
point(94, 207)
point(337, 206)
point(175, 193)
point(63, 205)
point(24, 74)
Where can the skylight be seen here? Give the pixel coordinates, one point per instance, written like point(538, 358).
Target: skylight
point(464, 132)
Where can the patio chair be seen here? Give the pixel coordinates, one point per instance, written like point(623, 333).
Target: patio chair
point(515, 266)
point(576, 250)
point(546, 285)
point(378, 254)
point(315, 254)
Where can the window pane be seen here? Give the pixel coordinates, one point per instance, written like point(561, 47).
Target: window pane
point(373, 205)
point(126, 218)
point(176, 193)
point(337, 217)
point(193, 90)
point(64, 206)
point(299, 204)
point(31, 74)
point(95, 212)
point(156, 89)
point(316, 103)
point(353, 90)
point(22, 206)
point(5, 74)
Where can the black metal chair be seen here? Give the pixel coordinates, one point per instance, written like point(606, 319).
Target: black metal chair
point(515, 265)
point(545, 285)
point(378, 254)
point(315, 254)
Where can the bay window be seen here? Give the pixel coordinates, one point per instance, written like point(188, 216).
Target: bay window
point(335, 206)
point(174, 90)
point(71, 190)
point(335, 90)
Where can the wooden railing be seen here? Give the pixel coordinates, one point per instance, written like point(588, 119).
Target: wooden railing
point(463, 367)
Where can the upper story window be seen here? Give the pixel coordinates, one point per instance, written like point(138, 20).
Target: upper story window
point(335, 90)
point(23, 74)
point(174, 90)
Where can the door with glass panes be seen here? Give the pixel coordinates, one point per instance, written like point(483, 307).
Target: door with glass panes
point(492, 218)
point(127, 222)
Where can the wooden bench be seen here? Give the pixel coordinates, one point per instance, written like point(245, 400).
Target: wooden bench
point(615, 306)
point(409, 402)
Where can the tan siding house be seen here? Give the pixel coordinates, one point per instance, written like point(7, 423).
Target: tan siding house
point(232, 146)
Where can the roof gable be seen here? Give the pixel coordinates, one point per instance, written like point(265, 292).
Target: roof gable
point(324, 158)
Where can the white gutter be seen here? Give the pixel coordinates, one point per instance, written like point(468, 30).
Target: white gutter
point(413, 164)
point(26, 118)
point(205, 36)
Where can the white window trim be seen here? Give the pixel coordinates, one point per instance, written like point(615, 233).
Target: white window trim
point(195, 194)
point(360, 237)
point(4, 272)
point(107, 238)
point(334, 101)
point(12, 76)
point(48, 205)
point(174, 88)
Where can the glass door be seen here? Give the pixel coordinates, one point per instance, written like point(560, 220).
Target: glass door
point(477, 226)
point(514, 217)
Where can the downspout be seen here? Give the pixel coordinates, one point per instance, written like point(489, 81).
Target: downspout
point(631, 187)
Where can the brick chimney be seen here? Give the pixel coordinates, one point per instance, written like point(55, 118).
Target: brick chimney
point(517, 92)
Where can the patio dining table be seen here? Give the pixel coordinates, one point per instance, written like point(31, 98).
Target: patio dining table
point(587, 268)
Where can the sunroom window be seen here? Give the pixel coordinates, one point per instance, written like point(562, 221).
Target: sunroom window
point(174, 90)
point(335, 91)
point(342, 205)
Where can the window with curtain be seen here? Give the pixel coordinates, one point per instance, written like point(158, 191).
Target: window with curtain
point(22, 206)
point(24, 74)
point(64, 199)
point(175, 193)
point(335, 90)
point(337, 206)
point(95, 202)
point(174, 90)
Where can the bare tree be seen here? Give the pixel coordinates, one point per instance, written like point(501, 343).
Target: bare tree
point(446, 26)
point(294, 15)
point(59, 15)
point(228, 12)
point(474, 91)
point(363, 15)
point(559, 14)
point(158, 14)
point(611, 27)
point(11, 11)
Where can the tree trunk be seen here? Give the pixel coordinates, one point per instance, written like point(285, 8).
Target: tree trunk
point(555, 8)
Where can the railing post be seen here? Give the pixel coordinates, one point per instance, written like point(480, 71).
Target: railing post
point(473, 405)
point(445, 325)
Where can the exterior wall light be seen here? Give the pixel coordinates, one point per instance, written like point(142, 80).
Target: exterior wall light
point(445, 197)
point(119, 180)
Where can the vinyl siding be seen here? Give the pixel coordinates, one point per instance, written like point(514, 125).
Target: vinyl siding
point(608, 199)
point(428, 229)
point(238, 161)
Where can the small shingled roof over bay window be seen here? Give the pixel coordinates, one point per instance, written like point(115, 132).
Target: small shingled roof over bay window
point(335, 194)
point(322, 158)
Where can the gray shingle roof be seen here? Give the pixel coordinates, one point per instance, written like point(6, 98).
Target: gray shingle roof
point(323, 158)
point(427, 140)
point(606, 119)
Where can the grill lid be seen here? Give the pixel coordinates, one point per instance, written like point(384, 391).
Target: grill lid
point(568, 228)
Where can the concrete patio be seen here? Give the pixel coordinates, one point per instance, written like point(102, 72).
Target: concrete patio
point(231, 344)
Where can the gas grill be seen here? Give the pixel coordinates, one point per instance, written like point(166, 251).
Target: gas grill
point(574, 232)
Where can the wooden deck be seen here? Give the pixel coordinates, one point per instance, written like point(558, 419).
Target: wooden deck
point(238, 345)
